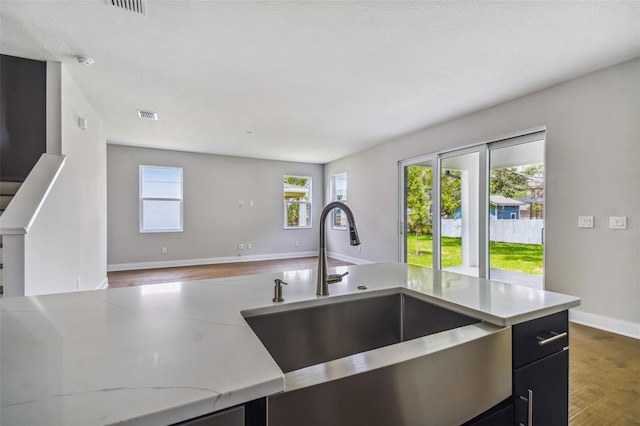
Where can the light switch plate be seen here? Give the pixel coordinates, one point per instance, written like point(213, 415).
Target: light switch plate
point(618, 222)
point(585, 221)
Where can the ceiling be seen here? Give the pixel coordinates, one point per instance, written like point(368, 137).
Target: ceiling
point(311, 81)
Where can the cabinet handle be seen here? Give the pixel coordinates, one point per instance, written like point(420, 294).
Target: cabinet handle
point(556, 336)
point(529, 402)
point(530, 414)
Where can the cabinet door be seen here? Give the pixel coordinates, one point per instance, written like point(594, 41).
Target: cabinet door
point(230, 417)
point(541, 391)
point(553, 330)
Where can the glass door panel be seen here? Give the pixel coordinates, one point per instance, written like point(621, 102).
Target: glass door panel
point(516, 205)
point(459, 213)
point(418, 196)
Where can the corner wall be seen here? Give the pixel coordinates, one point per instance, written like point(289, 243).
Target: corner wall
point(592, 157)
point(214, 224)
point(65, 249)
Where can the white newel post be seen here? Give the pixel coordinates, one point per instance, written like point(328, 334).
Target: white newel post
point(13, 270)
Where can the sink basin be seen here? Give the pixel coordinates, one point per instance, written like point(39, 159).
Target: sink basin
point(300, 337)
point(389, 359)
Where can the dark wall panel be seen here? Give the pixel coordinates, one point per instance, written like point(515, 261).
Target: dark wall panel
point(23, 109)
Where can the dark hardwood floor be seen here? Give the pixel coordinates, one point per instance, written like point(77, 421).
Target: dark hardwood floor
point(201, 272)
point(604, 378)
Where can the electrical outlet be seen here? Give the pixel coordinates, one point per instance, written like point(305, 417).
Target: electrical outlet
point(359, 248)
point(297, 244)
point(585, 221)
point(240, 246)
point(78, 283)
point(618, 222)
point(164, 250)
point(240, 204)
point(249, 246)
point(250, 203)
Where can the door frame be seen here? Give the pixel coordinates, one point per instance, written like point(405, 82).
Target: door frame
point(532, 136)
point(435, 205)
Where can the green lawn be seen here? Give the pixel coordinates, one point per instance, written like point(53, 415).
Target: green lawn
point(525, 258)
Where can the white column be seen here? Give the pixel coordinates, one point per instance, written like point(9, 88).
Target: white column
point(469, 210)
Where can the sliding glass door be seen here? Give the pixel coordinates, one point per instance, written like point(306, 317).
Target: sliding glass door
point(516, 211)
point(460, 199)
point(441, 219)
point(477, 211)
point(417, 212)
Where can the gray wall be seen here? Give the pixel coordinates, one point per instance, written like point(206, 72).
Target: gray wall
point(592, 157)
point(66, 248)
point(214, 225)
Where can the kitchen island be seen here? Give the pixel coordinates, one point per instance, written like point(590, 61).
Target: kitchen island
point(165, 353)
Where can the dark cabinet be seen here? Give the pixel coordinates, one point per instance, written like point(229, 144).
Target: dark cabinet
point(500, 415)
point(541, 391)
point(252, 413)
point(541, 371)
point(230, 417)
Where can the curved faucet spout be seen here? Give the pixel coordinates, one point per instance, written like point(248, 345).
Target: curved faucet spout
point(354, 240)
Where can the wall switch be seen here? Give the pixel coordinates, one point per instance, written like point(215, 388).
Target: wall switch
point(249, 246)
point(618, 222)
point(240, 246)
point(164, 250)
point(250, 203)
point(297, 244)
point(240, 204)
point(585, 221)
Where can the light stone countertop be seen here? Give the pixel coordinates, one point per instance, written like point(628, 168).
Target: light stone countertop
point(163, 353)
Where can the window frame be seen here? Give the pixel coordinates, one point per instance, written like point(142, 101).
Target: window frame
point(309, 202)
point(142, 199)
point(334, 197)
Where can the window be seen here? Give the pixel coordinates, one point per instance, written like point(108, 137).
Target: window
point(339, 193)
point(160, 199)
point(297, 202)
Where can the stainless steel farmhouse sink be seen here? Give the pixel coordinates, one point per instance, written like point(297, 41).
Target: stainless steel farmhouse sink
point(389, 359)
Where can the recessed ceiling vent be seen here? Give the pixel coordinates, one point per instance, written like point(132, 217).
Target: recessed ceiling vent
point(135, 6)
point(147, 115)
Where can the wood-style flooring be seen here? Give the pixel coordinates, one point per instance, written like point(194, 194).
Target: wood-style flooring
point(202, 272)
point(604, 377)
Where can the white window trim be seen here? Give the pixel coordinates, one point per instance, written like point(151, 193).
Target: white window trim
point(333, 198)
point(285, 202)
point(141, 199)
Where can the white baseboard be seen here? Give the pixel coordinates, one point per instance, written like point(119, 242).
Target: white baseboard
point(104, 284)
point(344, 258)
point(209, 261)
point(624, 328)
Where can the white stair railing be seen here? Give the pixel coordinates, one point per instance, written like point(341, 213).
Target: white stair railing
point(20, 215)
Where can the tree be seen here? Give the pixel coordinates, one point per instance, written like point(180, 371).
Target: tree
point(450, 193)
point(293, 198)
point(419, 181)
point(419, 184)
point(508, 182)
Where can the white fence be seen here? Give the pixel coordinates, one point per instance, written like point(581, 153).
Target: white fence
point(524, 231)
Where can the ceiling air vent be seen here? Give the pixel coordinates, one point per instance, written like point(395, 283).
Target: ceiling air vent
point(135, 6)
point(147, 115)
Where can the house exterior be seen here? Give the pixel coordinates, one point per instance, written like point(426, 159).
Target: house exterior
point(505, 208)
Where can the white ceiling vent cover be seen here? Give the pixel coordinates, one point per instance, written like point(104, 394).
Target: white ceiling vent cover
point(135, 6)
point(147, 115)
